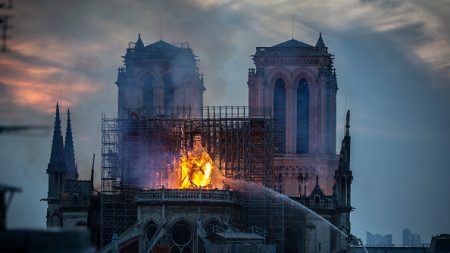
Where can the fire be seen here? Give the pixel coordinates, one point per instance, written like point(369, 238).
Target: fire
point(195, 169)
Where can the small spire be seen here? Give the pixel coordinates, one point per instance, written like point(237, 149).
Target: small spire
point(92, 172)
point(57, 156)
point(320, 42)
point(347, 123)
point(292, 28)
point(69, 152)
point(139, 44)
point(317, 180)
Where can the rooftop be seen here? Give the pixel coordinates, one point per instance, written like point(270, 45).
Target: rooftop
point(292, 43)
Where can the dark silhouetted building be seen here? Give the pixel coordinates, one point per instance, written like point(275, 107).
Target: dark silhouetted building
point(440, 244)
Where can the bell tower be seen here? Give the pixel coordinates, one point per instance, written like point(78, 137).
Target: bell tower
point(162, 79)
point(298, 81)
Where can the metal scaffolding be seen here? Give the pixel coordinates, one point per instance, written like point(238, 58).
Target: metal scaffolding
point(138, 153)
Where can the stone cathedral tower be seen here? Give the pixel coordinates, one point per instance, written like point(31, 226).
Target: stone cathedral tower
point(159, 78)
point(68, 197)
point(57, 171)
point(298, 82)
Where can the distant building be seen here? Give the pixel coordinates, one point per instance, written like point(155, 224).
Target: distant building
point(410, 239)
point(375, 240)
point(406, 237)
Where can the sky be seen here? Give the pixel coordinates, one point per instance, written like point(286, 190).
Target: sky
point(393, 69)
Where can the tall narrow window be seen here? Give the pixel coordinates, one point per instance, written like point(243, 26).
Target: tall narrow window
point(279, 111)
point(329, 121)
point(147, 95)
point(303, 117)
point(169, 95)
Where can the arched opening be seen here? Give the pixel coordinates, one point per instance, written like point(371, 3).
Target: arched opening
point(213, 226)
point(148, 84)
point(181, 233)
point(291, 240)
point(169, 94)
point(279, 112)
point(303, 117)
point(150, 230)
point(130, 246)
point(187, 249)
point(55, 220)
point(175, 249)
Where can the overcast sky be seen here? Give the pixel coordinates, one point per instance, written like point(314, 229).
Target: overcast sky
point(392, 60)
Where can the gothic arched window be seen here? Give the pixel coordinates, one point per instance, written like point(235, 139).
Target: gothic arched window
point(279, 111)
point(303, 117)
point(147, 96)
point(169, 94)
point(300, 177)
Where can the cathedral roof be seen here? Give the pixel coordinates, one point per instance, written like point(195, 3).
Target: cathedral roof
point(292, 48)
point(160, 52)
point(292, 43)
point(162, 45)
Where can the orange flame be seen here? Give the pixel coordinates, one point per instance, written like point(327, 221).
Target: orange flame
point(195, 169)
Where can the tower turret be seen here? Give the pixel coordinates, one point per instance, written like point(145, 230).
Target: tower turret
point(139, 44)
point(343, 175)
point(343, 186)
point(320, 42)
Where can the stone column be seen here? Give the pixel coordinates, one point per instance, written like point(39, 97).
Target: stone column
point(294, 119)
point(158, 98)
point(313, 118)
point(268, 96)
point(333, 120)
point(322, 116)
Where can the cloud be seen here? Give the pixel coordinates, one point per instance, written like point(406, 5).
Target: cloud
point(37, 83)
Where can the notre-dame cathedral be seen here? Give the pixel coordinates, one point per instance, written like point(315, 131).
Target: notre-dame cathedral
point(290, 148)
